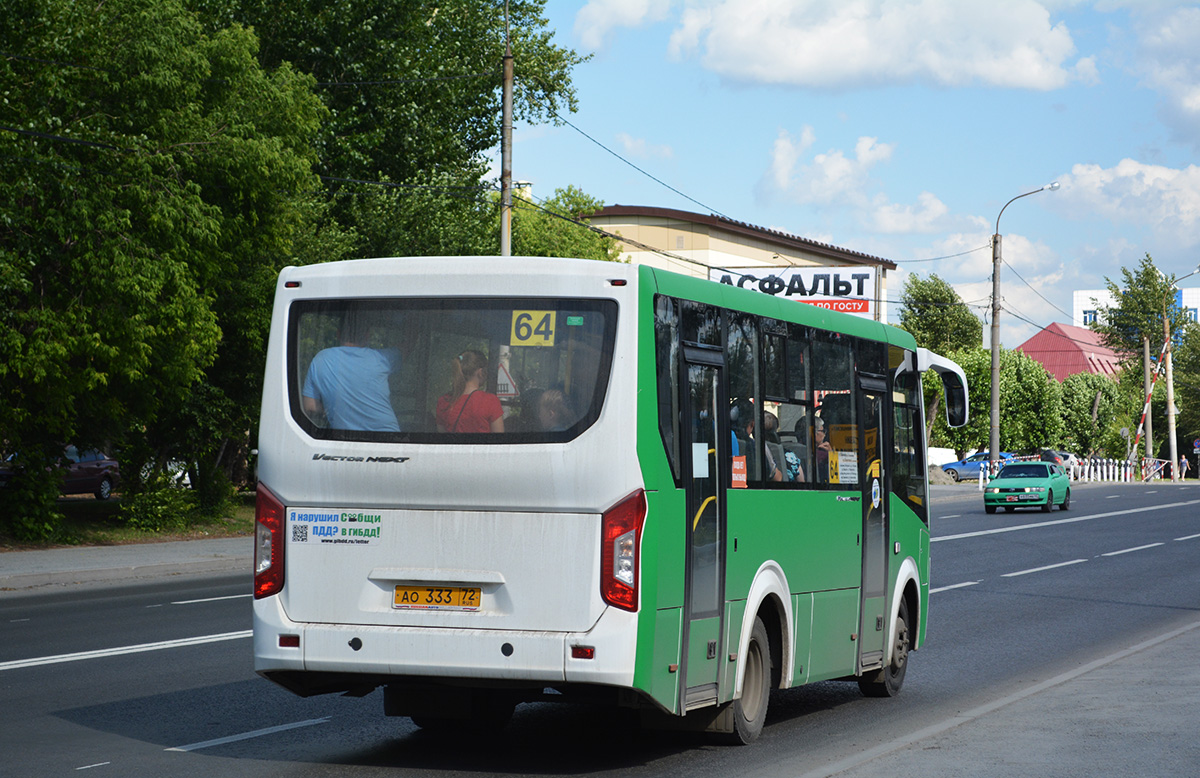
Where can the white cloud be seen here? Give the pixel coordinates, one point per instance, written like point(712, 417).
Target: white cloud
point(599, 18)
point(1168, 62)
point(1163, 200)
point(928, 215)
point(638, 147)
point(830, 177)
point(816, 43)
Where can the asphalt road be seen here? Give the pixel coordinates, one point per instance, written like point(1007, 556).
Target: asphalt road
point(156, 678)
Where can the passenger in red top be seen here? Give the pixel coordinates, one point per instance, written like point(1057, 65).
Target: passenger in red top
point(467, 408)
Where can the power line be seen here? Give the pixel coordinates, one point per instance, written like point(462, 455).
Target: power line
point(1035, 291)
point(937, 259)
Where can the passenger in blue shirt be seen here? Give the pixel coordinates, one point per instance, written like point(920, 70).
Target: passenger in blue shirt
point(349, 383)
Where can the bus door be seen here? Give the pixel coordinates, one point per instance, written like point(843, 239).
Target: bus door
point(708, 440)
point(872, 630)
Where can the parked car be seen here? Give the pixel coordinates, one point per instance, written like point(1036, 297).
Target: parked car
point(1050, 455)
point(1028, 485)
point(89, 471)
point(969, 468)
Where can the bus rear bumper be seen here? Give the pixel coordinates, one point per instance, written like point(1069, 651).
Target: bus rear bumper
point(486, 655)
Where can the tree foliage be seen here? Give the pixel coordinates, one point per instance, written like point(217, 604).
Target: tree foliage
point(553, 230)
point(937, 317)
point(413, 89)
point(1144, 299)
point(1095, 410)
point(1031, 405)
point(152, 181)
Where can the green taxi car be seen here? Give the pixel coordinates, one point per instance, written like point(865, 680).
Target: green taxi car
point(1028, 485)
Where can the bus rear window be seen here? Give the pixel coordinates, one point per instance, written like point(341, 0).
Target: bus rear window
point(478, 370)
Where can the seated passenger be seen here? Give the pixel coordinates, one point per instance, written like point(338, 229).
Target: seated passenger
point(554, 412)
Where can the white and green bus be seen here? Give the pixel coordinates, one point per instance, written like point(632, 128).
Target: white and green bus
point(485, 481)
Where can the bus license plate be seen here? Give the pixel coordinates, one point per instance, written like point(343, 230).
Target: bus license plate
point(459, 598)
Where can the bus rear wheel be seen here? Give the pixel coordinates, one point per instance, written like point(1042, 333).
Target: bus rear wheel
point(887, 682)
point(750, 710)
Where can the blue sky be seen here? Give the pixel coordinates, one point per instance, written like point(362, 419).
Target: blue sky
point(900, 128)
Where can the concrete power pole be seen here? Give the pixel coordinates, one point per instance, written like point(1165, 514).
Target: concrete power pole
point(506, 148)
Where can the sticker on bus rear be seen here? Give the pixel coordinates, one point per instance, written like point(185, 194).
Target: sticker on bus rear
point(334, 528)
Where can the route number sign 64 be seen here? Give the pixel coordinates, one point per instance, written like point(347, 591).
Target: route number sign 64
point(533, 328)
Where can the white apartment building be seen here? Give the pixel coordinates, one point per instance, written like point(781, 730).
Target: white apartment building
point(1086, 304)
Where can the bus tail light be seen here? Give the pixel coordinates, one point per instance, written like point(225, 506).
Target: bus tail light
point(268, 544)
point(620, 541)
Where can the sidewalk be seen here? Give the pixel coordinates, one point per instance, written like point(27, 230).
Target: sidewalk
point(23, 572)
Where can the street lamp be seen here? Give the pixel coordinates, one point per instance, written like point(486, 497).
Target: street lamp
point(994, 442)
point(1172, 446)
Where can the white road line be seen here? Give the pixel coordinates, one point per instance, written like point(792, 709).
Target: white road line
point(1114, 496)
point(213, 599)
point(249, 735)
point(954, 586)
point(1188, 537)
point(953, 516)
point(1041, 569)
point(1072, 520)
point(1130, 550)
point(122, 650)
point(958, 719)
point(90, 766)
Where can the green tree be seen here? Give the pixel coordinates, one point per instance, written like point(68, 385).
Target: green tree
point(1095, 409)
point(936, 316)
point(552, 228)
point(152, 180)
point(1031, 405)
point(413, 89)
point(1146, 308)
point(1144, 299)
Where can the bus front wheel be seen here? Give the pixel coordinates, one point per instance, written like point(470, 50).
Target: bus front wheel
point(750, 710)
point(887, 682)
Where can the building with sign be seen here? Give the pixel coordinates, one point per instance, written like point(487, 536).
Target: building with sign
point(752, 257)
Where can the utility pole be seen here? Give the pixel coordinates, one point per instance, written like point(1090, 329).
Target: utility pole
point(1147, 387)
point(506, 147)
point(1172, 446)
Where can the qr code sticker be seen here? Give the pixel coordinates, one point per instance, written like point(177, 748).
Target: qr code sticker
point(299, 533)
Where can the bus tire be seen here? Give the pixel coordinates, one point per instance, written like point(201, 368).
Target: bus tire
point(750, 710)
point(887, 682)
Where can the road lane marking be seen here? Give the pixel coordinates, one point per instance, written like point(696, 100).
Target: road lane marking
point(953, 516)
point(90, 766)
point(1130, 550)
point(1188, 537)
point(954, 586)
point(1042, 569)
point(1114, 496)
point(122, 650)
point(249, 735)
point(1072, 520)
point(213, 599)
point(966, 717)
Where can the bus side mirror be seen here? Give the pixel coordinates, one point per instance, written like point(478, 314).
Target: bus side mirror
point(954, 384)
